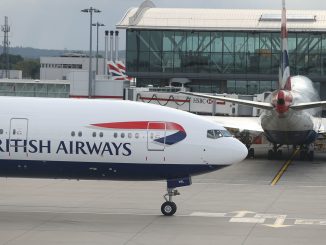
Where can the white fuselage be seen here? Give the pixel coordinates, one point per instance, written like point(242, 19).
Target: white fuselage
point(293, 127)
point(107, 140)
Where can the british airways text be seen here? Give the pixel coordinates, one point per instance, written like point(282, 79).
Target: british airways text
point(65, 147)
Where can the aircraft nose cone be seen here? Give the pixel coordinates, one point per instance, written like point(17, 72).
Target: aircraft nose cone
point(241, 151)
point(236, 151)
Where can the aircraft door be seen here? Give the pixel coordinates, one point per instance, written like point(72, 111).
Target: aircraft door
point(18, 136)
point(156, 132)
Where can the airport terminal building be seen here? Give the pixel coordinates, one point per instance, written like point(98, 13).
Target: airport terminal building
point(221, 50)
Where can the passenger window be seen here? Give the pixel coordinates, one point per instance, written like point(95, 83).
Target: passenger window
point(73, 133)
point(1, 131)
point(122, 135)
point(115, 135)
point(101, 134)
point(129, 135)
point(136, 135)
point(80, 134)
point(94, 134)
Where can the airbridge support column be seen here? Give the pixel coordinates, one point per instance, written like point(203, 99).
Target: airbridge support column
point(323, 94)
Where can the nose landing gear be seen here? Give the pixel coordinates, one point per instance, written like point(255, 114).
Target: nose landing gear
point(169, 208)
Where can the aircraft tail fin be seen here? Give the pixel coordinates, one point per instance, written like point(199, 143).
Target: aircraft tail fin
point(284, 74)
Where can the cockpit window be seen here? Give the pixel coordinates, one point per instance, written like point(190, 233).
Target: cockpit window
point(226, 133)
point(215, 134)
point(210, 134)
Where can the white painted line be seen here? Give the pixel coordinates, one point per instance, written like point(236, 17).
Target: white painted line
point(267, 216)
point(247, 220)
point(211, 215)
point(77, 212)
point(307, 222)
point(279, 222)
point(241, 214)
point(245, 183)
point(233, 217)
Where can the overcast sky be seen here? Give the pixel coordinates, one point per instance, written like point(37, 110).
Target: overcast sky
point(59, 24)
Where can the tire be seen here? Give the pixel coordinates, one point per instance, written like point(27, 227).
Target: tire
point(270, 155)
point(303, 155)
point(279, 154)
point(251, 153)
point(311, 156)
point(168, 208)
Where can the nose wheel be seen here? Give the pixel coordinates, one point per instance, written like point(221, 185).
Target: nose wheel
point(169, 208)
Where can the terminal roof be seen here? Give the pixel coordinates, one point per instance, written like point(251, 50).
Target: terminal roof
point(147, 16)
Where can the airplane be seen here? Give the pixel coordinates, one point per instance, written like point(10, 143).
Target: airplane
point(111, 140)
point(291, 115)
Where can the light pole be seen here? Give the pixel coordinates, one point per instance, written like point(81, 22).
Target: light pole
point(97, 24)
point(90, 78)
point(105, 66)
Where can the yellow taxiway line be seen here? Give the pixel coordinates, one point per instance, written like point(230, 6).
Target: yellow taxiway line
point(284, 168)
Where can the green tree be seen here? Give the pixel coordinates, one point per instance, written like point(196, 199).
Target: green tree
point(30, 68)
point(13, 60)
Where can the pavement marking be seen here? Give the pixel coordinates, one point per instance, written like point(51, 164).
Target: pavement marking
point(310, 222)
point(301, 184)
point(63, 212)
point(279, 222)
point(210, 215)
point(241, 214)
point(249, 217)
point(247, 220)
point(268, 220)
point(283, 169)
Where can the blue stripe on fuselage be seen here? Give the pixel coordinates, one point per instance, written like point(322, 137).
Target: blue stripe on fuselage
point(173, 138)
point(100, 171)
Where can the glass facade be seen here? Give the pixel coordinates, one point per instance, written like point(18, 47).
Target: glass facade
point(34, 89)
point(209, 55)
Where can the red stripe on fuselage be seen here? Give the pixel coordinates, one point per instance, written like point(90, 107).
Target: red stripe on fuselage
point(141, 125)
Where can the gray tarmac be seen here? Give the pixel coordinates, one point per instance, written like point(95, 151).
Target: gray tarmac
point(236, 205)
